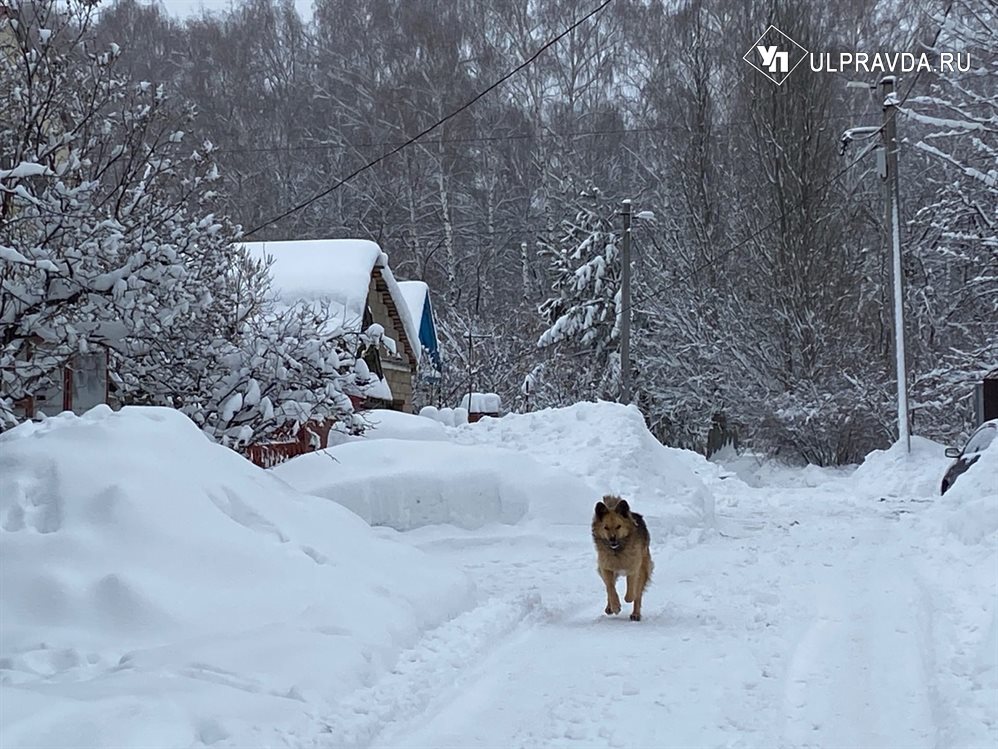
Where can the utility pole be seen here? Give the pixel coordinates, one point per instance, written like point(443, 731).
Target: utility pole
point(893, 215)
point(625, 303)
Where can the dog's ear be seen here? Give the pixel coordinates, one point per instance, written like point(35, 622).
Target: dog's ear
point(601, 510)
point(623, 509)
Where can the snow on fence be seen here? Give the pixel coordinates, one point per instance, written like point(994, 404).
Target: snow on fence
point(312, 435)
point(271, 454)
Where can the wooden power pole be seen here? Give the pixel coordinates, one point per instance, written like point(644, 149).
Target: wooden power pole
point(893, 216)
point(625, 304)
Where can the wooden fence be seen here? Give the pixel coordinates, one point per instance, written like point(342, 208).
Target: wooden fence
point(313, 435)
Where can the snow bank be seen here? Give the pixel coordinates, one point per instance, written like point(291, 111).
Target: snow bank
point(405, 485)
point(159, 590)
point(549, 466)
point(895, 472)
point(757, 470)
point(957, 542)
point(386, 424)
point(969, 509)
point(607, 446)
point(450, 417)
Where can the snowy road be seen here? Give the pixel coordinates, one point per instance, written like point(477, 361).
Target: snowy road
point(178, 596)
point(805, 626)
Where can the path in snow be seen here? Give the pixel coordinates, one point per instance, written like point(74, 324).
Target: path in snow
point(797, 628)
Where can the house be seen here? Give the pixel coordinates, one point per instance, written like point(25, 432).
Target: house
point(353, 278)
point(417, 299)
point(77, 384)
point(986, 398)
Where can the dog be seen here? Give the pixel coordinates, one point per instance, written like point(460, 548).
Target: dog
point(622, 548)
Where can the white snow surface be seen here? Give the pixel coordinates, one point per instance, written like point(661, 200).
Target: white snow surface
point(468, 477)
point(813, 608)
point(335, 269)
point(488, 403)
point(161, 591)
point(386, 424)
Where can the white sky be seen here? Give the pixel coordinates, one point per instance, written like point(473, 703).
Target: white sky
point(189, 7)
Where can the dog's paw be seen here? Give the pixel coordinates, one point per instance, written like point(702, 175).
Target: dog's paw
point(628, 598)
point(635, 617)
point(612, 608)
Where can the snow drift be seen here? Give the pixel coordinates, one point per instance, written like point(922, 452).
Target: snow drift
point(408, 484)
point(969, 510)
point(549, 466)
point(608, 446)
point(895, 472)
point(159, 590)
point(385, 424)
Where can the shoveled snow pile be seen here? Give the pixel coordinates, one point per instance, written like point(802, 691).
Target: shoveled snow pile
point(449, 417)
point(161, 591)
point(385, 424)
point(549, 466)
point(407, 484)
point(608, 447)
point(957, 558)
point(895, 472)
point(970, 508)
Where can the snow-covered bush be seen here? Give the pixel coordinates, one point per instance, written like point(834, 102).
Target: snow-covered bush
point(108, 238)
point(279, 372)
point(106, 231)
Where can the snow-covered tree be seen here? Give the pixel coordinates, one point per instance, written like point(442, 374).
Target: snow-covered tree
point(954, 293)
point(106, 234)
point(282, 370)
point(584, 310)
point(108, 238)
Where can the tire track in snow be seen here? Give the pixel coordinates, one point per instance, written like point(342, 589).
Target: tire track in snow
point(424, 671)
point(860, 674)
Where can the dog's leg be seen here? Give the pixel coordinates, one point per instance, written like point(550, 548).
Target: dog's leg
point(640, 580)
point(632, 584)
point(612, 600)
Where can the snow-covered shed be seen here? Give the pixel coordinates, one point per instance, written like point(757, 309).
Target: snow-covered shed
point(481, 404)
point(417, 299)
point(354, 278)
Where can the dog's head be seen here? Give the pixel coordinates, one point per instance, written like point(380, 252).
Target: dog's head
point(612, 522)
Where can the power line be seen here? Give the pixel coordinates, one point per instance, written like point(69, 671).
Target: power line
point(540, 50)
point(493, 138)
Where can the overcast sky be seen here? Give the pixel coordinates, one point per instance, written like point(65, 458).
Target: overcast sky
point(188, 7)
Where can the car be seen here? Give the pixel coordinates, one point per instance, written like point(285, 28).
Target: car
point(979, 441)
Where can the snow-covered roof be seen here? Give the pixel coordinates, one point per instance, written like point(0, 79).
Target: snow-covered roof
point(337, 271)
point(415, 293)
point(483, 403)
point(417, 299)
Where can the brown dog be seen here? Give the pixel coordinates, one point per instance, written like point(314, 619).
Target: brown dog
point(622, 548)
